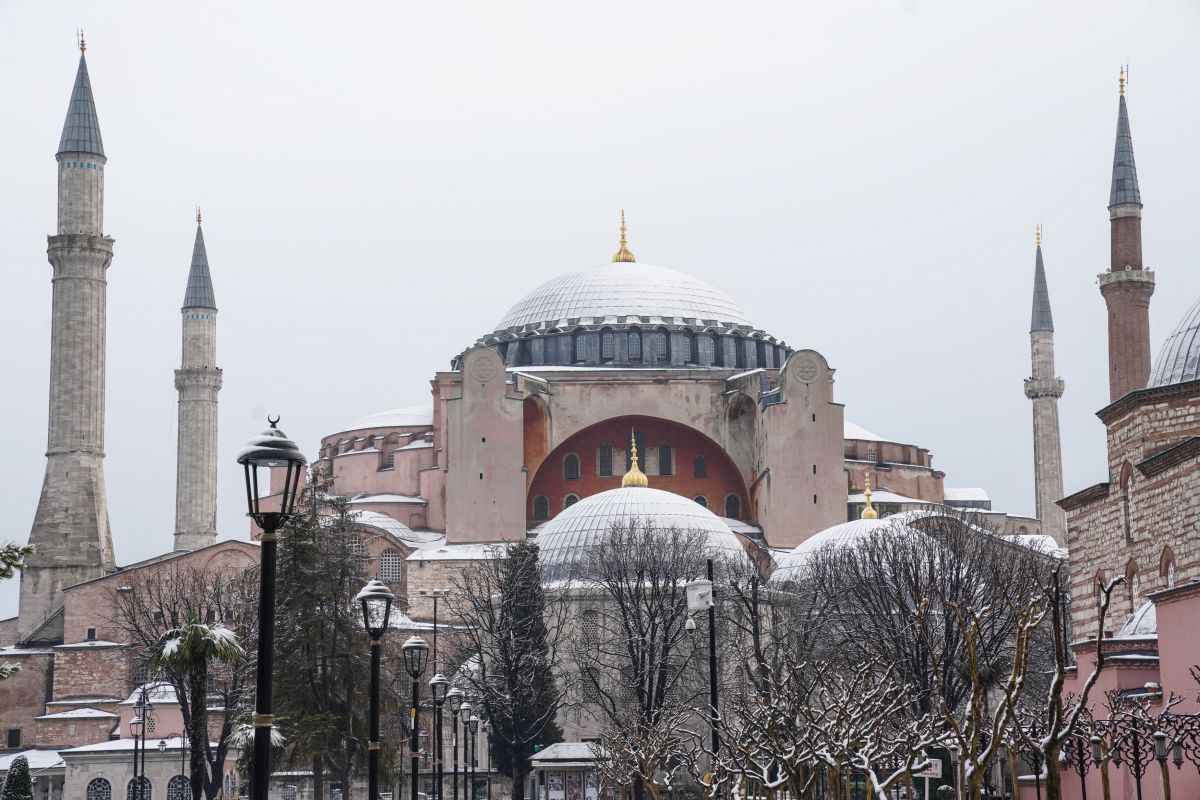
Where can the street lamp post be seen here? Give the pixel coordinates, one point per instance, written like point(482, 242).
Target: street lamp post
point(700, 598)
point(473, 726)
point(455, 696)
point(1160, 755)
point(376, 600)
point(416, 653)
point(438, 686)
point(137, 727)
point(487, 734)
point(465, 713)
point(269, 449)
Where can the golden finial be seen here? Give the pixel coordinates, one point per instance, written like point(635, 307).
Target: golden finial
point(1038, 235)
point(1122, 81)
point(198, 218)
point(623, 254)
point(81, 41)
point(635, 477)
point(869, 511)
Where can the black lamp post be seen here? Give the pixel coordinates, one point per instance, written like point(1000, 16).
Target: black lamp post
point(455, 696)
point(416, 653)
point(438, 686)
point(473, 726)
point(1160, 755)
point(487, 734)
point(465, 712)
point(376, 599)
point(137, 728)
point(700, 598)
point(269, 449)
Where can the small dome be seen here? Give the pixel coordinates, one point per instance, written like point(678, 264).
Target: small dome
point(565, 541)
point(1141, 623)
point(412, 417)
point(1179, 359)
point(620, 290)
point(791, 567)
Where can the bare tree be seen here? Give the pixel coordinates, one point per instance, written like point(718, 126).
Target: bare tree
point(511, 628)
point(156, 601)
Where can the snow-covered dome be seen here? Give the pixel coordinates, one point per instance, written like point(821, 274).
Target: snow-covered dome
point(1141, 623)
point(791, 567)
point(411, 417)
point(604, 293)
point(565, 542)
point(1179, 359)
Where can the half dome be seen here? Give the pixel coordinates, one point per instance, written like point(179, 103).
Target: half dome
point(609, 291)
point(1179, 359)
point(565, 542)
point(791, 567)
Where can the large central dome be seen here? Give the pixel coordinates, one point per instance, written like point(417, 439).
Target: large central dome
point(610, 291)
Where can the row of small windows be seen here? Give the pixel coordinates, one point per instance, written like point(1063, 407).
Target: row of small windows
point(199, 316)
point(541, 505)
point(605, 456)
point(652, 347)
point(1133, 580)
point(82, 165)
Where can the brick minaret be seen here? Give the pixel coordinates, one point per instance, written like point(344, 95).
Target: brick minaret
point(1127, 285)
point(1044, 389)
point(70, 529)
point(198, 380)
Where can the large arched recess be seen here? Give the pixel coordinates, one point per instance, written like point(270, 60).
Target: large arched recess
point(721, 476)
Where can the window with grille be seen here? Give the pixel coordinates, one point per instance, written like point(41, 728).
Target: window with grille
point(580, 347)
point(590, 685)
point(707, 349)
point(541, 507)
point(733, 507)
point(99, 789)
point(685, 348)
point(605, 466)
point(289, 792)
point(661, 350)
point(571, 467)
point(179, 788)
point(389, 566)
point(606, 346)
point(570, 500)
point(635, 346)
point(701, 499)
point(700, 467)
point(138, 789)
point(357, 548)
point(665, 462)
point(14, 738)
point(590, 625)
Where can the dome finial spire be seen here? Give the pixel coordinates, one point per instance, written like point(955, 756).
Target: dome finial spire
point(869, 511)
point(635, 477)
point(623, 254)
point(198, 217)
point(1121, 81)
point(82, 42)
point(1038, 236)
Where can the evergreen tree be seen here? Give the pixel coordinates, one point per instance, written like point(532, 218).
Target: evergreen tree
point(510, 628)
point(18, 785)
point(12, 559)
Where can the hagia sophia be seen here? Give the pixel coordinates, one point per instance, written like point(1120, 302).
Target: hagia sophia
point(738, 433)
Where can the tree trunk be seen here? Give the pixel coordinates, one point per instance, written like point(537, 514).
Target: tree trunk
point(1053, 774)
point(197, 678)
point(318, 769)
point(518, 781)
point(1013, 773)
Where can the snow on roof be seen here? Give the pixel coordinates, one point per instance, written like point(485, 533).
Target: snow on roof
point(967, 494)
point(15, 650)
point(566, 751)
point(411, 417)
point(882, 496)
point(417, 445)
point(852, 431)
point(387, 498)
point(158, 692)
point(458, 552)
point(117, 745)
point(80, 713)
point(38, 760)
point(100, 643)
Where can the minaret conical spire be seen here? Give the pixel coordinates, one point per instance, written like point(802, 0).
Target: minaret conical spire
point(81, 130)
point(199, 292)
point(1124, 190)
point(1042, 319)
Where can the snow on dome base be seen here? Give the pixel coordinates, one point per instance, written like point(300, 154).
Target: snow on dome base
point(565, 542)
point(619, 290)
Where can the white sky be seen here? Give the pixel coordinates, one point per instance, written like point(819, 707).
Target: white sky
point(380, 181)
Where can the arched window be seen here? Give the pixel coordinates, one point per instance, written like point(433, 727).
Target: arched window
point(570, 500)
point(739, 352)
point(1135, 586)
point(662, 349)
point(685, 348)
point(604, 467)
point(180, 788)
point(706, 350)
point(357, 548)
point(700, 468)
point(581, 346)
point(590, 627)
point(99, 789)
point(541, 507)
point(1127, 500)
point(571, 467)
point(607, 348)
point(701, 500)
point(666, 464)
point(733, 506)
point(635, 346)
point(389, 566)
point(138, 789)
point(1170, 574)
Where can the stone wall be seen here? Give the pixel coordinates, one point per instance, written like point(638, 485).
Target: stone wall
point(59, 733)
point(102, 671)
point(23, 696)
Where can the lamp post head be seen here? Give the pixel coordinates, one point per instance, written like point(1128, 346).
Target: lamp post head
point(136, 726)
point(473, 724)
point(162, 745)
point(376, 599)
point(1097, 751)
point(1160, 747)
point(455, 696)
point(465, 709)
point(271, 448)
point(690, 625)
point(439, 685)
point(416, 653)
point(699, 595)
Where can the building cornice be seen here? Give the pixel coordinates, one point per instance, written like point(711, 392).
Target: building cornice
point(1139, 397)
point(1084, 497)
point(1172, 456)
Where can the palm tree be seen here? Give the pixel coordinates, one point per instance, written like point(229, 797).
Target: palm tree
point(188, 650)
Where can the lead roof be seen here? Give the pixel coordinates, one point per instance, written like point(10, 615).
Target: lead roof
point(1042, 319)
point(1124, 175)
point(81, 130)
point(199, 292)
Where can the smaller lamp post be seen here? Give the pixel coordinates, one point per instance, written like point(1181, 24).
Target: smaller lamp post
point(465, 712)
point(438, 686)
point(1160, 755)
point(416, 653)
point(455, 696)
point(137, 727)
point(376, 599)
point(487, 734)
point(473, 726)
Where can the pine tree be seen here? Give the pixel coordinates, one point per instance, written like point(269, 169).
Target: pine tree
point(18, 785)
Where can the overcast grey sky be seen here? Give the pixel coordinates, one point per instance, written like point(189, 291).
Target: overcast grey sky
point(381, 181)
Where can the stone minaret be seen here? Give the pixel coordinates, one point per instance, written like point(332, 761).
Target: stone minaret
point(1127, 285)
point(198, 381)
point(70, 529)
point(1044, 389)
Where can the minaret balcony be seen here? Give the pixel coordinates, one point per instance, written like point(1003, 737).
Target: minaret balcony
point(1044, 387)
point(1129, 275)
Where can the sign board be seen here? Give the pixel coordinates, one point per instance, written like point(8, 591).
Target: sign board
point(934, 770)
